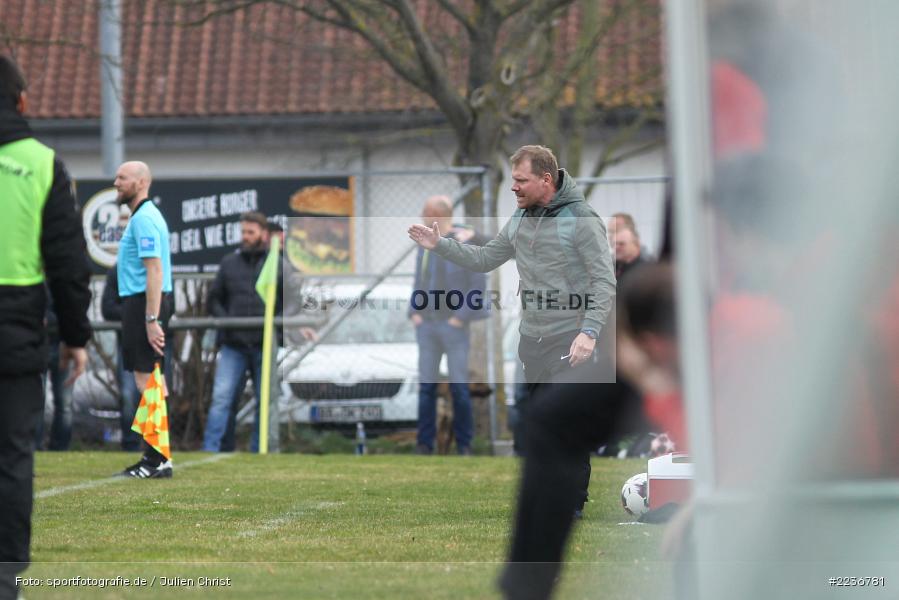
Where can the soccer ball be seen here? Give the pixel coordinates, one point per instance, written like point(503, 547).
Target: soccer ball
point(661, 444)
point(633, 495)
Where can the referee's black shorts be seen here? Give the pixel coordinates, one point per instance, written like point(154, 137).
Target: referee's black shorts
point(137, 353)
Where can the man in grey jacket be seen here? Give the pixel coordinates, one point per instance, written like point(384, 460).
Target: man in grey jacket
point(567, 291)
point(559, 243)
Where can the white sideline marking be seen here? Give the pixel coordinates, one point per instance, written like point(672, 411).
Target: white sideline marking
point(87, 485)
point(282, 520)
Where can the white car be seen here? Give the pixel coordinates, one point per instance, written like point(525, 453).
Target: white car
point(365, 369)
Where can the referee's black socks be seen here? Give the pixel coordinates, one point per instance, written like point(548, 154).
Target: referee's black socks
point(152, 457)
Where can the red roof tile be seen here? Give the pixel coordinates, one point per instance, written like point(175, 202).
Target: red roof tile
point(268, 60)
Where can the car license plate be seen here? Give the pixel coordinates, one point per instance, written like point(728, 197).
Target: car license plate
point(337, 413)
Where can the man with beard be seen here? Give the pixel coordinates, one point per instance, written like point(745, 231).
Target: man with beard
point(144, 270)
point(233, 294)
point(42, 247)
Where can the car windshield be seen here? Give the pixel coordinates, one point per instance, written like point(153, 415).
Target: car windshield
point(379, 321)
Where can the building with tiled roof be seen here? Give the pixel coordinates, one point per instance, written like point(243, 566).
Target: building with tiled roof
point(267, 60)
point(270, 92)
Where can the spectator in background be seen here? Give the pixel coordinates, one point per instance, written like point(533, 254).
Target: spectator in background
point(273, 228)
point(61, 427)
point(129, 397)
point(629, 258)
point(621, 221)
point(441, 330)
point(233, 294)
point(628, 254)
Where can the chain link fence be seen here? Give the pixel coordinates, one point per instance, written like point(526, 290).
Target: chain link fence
point(385, 204)
point(641, 197)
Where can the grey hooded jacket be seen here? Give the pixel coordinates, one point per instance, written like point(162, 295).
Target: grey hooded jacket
point(567, 279)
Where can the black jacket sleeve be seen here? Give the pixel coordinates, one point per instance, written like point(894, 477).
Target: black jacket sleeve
point(111, 302)
point(279, 294)
point(217, 299)
point(65, 259)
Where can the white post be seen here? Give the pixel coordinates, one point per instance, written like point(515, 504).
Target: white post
point(112, 115)
point(688, 130)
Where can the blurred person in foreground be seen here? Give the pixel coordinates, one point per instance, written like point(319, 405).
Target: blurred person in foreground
point(572, 417)
point(42, 242)
point(61, 425)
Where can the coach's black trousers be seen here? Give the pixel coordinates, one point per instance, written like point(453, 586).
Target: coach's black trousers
point(21, 408)
point(543, 365)
point(565, 420)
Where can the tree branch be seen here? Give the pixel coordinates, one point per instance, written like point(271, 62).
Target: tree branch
point(608, 158)
point(403, 65)
point(540, 10)
point(210, 14)
point(544, 10)
point(514, 7)
point(441, 87)
point(457, 14)
point(585, 50)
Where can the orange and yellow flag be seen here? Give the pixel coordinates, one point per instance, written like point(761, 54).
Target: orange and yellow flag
point(151, 419)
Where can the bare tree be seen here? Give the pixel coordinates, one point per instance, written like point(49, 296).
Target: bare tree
point(491, 66)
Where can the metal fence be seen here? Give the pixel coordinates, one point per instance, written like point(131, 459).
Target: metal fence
point(386, 203)
point(641, 197)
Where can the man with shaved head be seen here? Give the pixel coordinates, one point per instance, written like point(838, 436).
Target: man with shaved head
point(445, 298)
point(145, 284)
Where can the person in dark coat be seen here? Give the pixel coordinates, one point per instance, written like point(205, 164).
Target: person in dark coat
point(42, 245)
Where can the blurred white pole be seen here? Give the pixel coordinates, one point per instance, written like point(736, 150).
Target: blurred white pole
point(688, 131)
point(112, 116)
point(688, 134)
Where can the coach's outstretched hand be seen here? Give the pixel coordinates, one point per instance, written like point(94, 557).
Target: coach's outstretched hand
point(426, 237)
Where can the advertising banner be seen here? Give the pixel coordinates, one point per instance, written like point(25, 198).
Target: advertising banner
point(203, 216)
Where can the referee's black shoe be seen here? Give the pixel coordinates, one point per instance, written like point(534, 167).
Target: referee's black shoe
point(145, 469)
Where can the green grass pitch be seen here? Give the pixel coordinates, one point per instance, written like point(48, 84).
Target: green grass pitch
point(298, 526)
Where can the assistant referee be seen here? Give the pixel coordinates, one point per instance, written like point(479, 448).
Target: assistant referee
point(144, 270)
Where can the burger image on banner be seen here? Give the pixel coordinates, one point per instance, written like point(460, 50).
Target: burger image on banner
point(319, 240)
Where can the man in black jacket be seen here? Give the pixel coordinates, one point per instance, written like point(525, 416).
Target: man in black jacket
point(42, 242)
point(129, 396)
point(628, 252)
point(233, 294)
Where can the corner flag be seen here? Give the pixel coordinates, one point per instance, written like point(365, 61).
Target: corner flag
point(266, 287)
point(268, 277)
point(151, 419)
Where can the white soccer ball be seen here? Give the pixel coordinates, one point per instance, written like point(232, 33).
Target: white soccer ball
point(634, 499)
point(660, 445)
